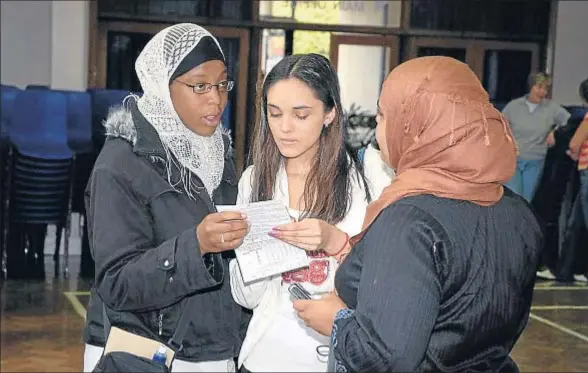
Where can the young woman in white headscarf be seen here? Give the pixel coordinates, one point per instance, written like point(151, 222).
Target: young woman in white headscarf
point(155, 234)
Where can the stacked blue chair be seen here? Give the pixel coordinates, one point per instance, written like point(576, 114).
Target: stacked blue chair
point(79, 122)
point(40, 184)
point(79, 126)
point(7, 97)
point(7, 94)
point(102, 101)
point(37, 86)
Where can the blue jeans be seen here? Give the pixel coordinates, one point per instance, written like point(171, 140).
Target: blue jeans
point(526, 177)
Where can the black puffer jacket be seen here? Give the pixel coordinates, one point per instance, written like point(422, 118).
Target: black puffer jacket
point(143, 239)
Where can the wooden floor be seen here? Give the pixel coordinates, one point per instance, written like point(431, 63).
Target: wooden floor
point(42, 322)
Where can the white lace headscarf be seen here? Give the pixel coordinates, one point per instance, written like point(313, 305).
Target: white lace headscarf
point(200, 155)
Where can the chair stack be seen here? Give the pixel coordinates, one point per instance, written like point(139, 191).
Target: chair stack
point(7, 97)
point(102, 101)
point(39, 191)
point(50, 141)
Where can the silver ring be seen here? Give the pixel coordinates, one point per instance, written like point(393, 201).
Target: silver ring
point(222, 238)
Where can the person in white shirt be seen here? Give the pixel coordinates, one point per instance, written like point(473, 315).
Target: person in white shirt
point(300, 157)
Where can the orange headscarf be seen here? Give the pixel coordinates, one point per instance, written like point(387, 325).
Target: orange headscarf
point(443, 136)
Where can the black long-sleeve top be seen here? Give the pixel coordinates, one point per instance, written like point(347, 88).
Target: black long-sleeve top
point(438, 285)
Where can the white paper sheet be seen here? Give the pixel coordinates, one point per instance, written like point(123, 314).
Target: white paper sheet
point(261, 255)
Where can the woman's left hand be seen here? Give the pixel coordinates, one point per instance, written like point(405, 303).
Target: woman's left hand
point(320, 314)
point(311, 235)
point(550, 139)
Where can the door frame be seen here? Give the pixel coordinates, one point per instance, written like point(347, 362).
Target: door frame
point(415, 42)
point(475, 49)
point(480, 47)
point(99, 69)
point(388, 41)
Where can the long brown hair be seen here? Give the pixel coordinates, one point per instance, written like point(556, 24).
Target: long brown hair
point(327, 191)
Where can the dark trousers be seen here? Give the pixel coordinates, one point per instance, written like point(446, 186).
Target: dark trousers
point(573, 247)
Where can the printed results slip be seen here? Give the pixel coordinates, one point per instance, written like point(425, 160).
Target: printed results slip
point(261, 255)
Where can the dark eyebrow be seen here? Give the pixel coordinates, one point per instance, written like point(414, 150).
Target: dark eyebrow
point(205, 76)
point(299, 107)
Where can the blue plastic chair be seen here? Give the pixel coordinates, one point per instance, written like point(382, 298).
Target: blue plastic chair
point(39, 126)
point(39, 196)
point(79, 122)
point(102, 101)
point(41, 169)
point(40, 192)
point(37, 86)
point(7, 97)
point(79, 138)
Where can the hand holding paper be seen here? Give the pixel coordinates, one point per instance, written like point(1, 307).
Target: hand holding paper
point(221, 231)
point(311, 235)
point(261, 255)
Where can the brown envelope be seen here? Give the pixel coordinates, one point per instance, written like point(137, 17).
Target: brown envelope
point(120, 340)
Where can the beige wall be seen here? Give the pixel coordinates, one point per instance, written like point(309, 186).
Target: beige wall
point(570, 59)
point(44, 42)
point(69, 54)
point(25, 46)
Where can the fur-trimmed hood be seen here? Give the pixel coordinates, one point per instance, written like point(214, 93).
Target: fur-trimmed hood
point(119, 124)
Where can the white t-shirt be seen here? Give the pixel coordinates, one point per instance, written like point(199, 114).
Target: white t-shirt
point(277, 340)
point(288, 342)
point(532, 106)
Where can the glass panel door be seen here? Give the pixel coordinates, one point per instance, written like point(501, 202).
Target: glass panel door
point(460, 49)
point(504, 68)
point(123, 50)
point(457, 53)
point(362, 64)
point(505, 73)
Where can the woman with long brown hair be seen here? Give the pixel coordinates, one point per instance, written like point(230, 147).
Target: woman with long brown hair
point(441, 277)
point(300, 157)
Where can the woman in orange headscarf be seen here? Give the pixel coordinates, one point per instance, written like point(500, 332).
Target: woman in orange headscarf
point(441, 277)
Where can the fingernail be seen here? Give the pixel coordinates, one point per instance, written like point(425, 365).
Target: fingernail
point(244, 216)
point(271, 233)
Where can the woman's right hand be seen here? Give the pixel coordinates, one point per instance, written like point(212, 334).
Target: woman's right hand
point(221, 231)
